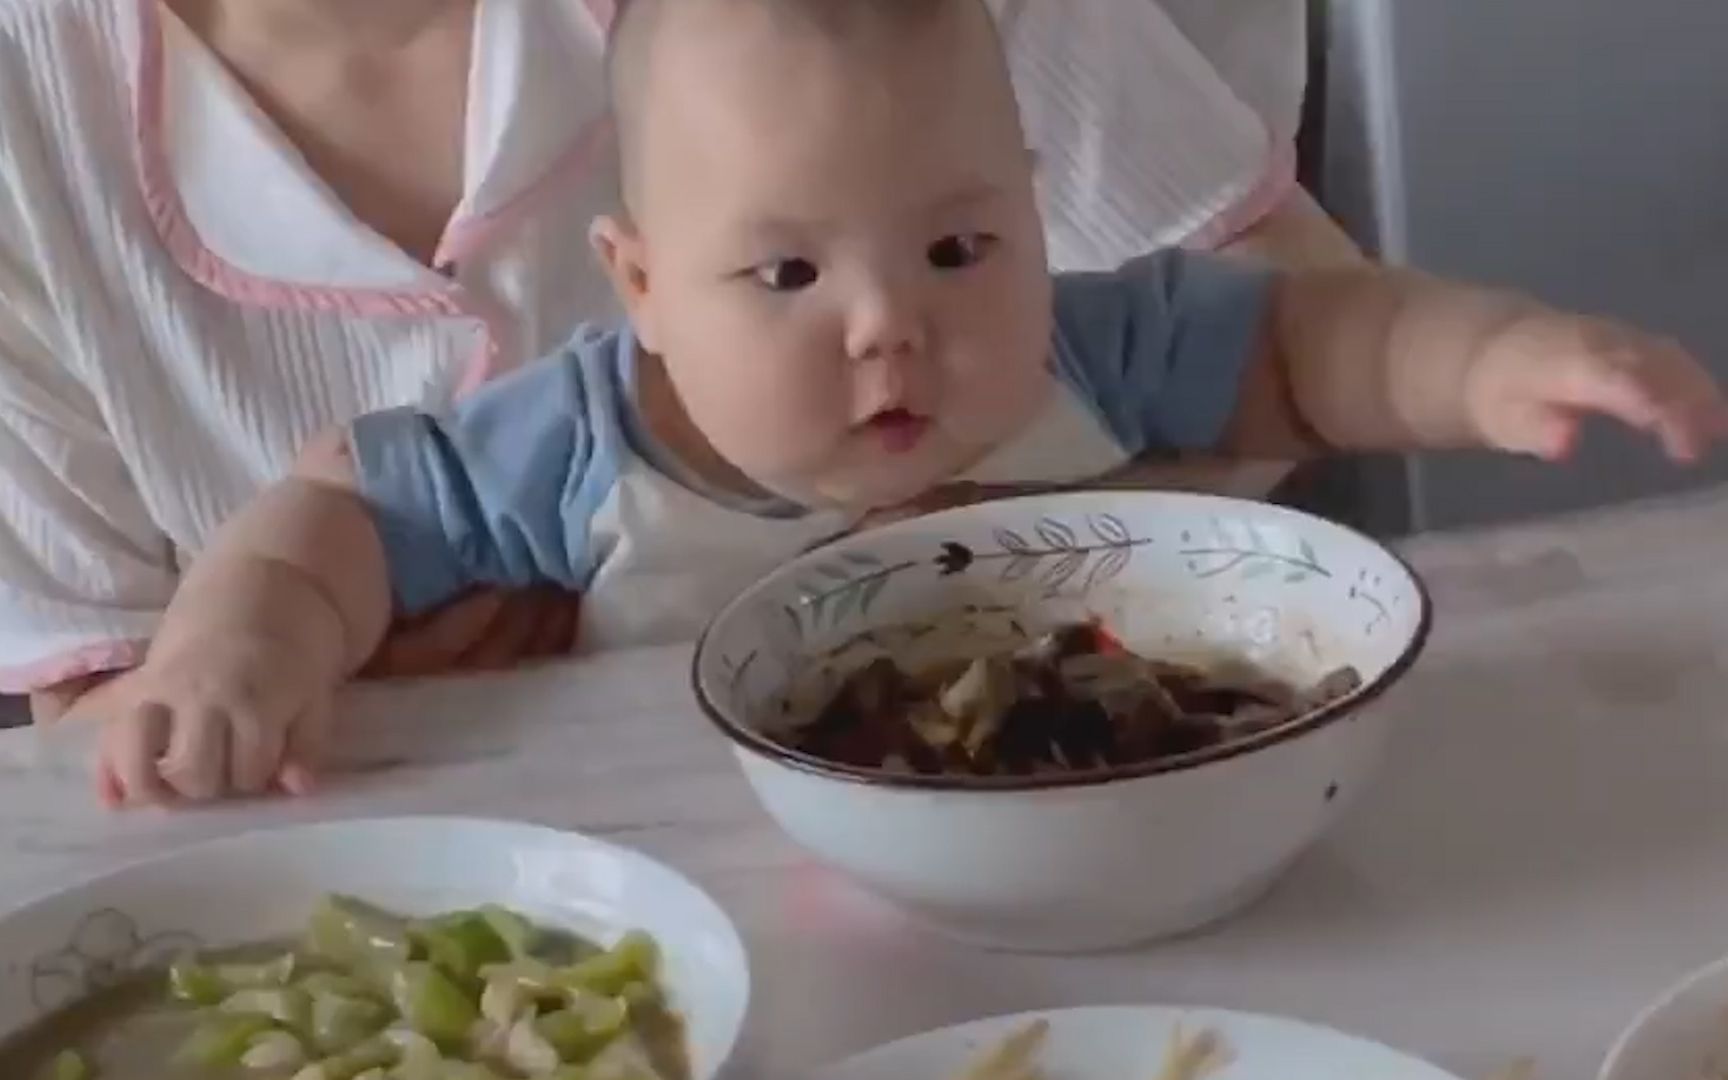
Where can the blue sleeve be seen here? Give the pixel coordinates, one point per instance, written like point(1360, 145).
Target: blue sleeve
point(1159, 347)
point(499, 492)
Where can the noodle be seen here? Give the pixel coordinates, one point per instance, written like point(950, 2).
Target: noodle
point(1193, 1058)
point(1186, 1057)
point(1016, 1057)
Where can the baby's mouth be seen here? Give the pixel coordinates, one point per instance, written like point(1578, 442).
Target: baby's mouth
point(898, 430)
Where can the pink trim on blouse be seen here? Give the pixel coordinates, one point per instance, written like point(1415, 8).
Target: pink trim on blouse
point(168, 212)
point(463, 238)
point(469, 235)
point(103, 656)
point(604, 11)
point(1268, 193)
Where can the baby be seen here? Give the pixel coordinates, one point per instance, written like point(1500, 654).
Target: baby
point(838, 301)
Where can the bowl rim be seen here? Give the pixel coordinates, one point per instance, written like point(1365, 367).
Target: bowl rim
point(53, 894)
point(1614, 1062)
point(754, 742)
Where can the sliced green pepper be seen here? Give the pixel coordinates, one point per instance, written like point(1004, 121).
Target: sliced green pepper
point(461, 944)
point(289, 1006)
point(468, 1070)
point(338, 1022)
point(220, 1043)
point(580, 1032)
point(195, 984)
point(527, 1051)
point(375, 1054)
point(417, 1056)
point(203, 984)
point(277, 972)
point(339, 985)
point(643, 996)
point(432, 1004)
point(529, 977)
point(517, 933)
point(70, 1065)
point(273, 1050)
point(358, 935)
point(636, 958)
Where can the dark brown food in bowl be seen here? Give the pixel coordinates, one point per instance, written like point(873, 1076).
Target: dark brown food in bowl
point(1072, 700)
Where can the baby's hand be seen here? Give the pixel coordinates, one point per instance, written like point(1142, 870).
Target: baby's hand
point(1537, 381)
point(225, 715)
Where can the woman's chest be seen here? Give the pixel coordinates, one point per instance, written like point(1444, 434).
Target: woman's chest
point(382, 125)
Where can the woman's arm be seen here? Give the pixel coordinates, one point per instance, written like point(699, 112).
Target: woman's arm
point(84, 571)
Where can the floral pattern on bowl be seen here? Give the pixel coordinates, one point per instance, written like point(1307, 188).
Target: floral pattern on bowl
point(106, 947)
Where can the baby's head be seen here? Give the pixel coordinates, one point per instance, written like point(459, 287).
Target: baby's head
point(830, 237)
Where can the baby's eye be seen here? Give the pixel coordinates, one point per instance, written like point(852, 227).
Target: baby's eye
point(787, 275)
point(959, 252)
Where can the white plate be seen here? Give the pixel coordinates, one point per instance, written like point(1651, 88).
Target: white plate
point(1677, 1037)
point(1127, 1043)
point(264, 885)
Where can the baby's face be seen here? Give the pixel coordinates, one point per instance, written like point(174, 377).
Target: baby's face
point(841, 262)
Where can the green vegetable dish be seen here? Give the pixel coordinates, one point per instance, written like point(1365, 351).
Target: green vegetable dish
point(366, 995)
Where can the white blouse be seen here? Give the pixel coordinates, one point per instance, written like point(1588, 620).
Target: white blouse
point(183, 302)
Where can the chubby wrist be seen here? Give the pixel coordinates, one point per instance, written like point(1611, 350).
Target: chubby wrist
point(1502, 346)
point(264, 598)
point(1452, 352)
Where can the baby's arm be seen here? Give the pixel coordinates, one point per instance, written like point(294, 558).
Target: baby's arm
point(289, 598)
point(301, 566)
point(399, 515)
point(1186, 353)
point(1369, 358)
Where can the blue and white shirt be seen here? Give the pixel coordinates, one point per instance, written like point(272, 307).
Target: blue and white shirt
point(549, 476)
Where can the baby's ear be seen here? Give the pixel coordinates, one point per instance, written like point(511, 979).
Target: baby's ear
point(621, 252)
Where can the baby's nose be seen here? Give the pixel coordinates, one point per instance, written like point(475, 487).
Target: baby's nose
point(889, 324)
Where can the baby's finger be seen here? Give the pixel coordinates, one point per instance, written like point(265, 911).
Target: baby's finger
point(132, 749)
point(308, 742)
point(197, 761)
point(1618, 391)
point(255, 753)
point(1693, 412)
point(1550, 433)
point(108, 786)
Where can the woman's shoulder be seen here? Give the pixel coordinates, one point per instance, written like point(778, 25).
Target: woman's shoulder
point(57, 52)
point(65, 73)
point(39, 24)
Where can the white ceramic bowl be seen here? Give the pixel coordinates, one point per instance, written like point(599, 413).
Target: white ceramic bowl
point(1122, 1042)
point(264, 885)
point(1681, 1037)
point(1082, 862)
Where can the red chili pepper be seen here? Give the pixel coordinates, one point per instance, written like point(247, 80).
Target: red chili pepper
point(1108, 644)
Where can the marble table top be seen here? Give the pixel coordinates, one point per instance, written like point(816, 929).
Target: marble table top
point(1546, 850)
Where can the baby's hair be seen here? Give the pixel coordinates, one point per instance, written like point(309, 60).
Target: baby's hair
point(635, 22)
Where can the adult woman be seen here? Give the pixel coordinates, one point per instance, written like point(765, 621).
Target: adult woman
point(227, 224)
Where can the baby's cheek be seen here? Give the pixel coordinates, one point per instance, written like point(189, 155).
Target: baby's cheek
point(772, 413)
point(996, 394)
